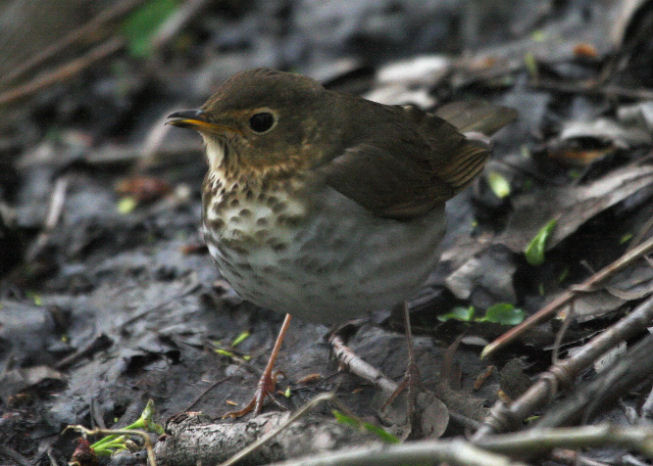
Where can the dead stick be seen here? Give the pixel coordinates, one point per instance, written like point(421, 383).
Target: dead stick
point(503, 417)
point(76, 35)
point(359, 367)
point(547, 311)
point(63, 72)
point(589, 89)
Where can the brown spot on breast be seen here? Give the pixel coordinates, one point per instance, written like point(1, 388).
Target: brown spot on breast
point(245, 213)
point(278, 207)
point(289, 220)
point(262, 221)
point(239, 249)
point(276, 244)
point(244, 266)
point(234, 219)
point(234, 202)
point(249, 194)
point(216, 224)
point(272, 200)
point(278, 247)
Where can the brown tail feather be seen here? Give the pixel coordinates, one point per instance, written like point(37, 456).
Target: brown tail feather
point(477, 116)
point(461, 170)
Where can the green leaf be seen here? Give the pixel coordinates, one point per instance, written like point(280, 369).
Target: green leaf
point(531, 65)
point(38, 301)
point(287, 393)
point(142, 24)
point(574, 173)
point(240, 338)
point(625, 238)
point(461, 313)
point(563, 275)
point(342, 418)
point(535, 249)
point(224, 352)
point(384, 435)
point(504, 314)
point(114, 442)
point(538, 35)
point(371, 428)
point(499, 184)
point(126, 205)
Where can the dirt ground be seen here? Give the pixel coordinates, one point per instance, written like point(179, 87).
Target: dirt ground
point(108, 297)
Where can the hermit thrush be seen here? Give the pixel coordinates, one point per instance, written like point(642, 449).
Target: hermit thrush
point(325, 205)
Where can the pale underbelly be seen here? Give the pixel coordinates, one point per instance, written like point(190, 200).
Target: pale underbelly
point(330, 271)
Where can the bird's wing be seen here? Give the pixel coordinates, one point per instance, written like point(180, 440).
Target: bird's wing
point(404, 178)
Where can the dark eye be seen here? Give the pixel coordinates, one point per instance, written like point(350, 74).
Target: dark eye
point(261, 122)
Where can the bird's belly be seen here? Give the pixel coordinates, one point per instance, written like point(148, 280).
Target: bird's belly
point(337, 263)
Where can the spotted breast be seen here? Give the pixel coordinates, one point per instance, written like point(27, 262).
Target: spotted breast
point(281, 249)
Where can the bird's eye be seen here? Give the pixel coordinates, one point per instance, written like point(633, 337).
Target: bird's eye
point(261, 122)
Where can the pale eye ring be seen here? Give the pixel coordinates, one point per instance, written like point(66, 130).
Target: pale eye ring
point(261, 122)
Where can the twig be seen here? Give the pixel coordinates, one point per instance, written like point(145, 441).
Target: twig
point(100, 342)
point(321, 398)
point(90, 28)
point(455, 452)
point(55, 208)
point(560, 335)
point(502, 417)
point(627, 371)
point(207, 390)
point(590, 89)
point(13, 455)
point(117, 155)
point(485, 452)
point(63, 72)
point(541, 440)
point(647, 407)
point(547, 311)
point(362, 369)
point(182, 16)
point(188, 290)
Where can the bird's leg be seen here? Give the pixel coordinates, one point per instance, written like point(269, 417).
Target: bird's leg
point(267, 382)
point(412, 376)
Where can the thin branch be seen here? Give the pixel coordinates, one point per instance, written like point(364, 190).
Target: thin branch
point(359, 367)
point(319, 399)
point(536, 441)
point(454, 452)
point(626, 372)
point(503, 418)
point(63, 72)
point(55, 208)
point(549, 310)
point(486, 451)
point(180, 18)
point(77, 35)
point(593, 89)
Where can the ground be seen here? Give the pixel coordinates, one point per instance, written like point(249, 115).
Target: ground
point(108, 297)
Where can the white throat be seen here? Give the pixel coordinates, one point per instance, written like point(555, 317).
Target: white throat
point(214, 152)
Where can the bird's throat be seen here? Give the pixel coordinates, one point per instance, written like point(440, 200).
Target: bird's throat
point(216, 153)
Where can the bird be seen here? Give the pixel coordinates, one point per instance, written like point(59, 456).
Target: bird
point(326, 206)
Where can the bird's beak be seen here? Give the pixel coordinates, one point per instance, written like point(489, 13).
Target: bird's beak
point(197, 120)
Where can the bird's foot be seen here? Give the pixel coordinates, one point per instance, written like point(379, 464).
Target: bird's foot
point(266, 386)
point(411, 382)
